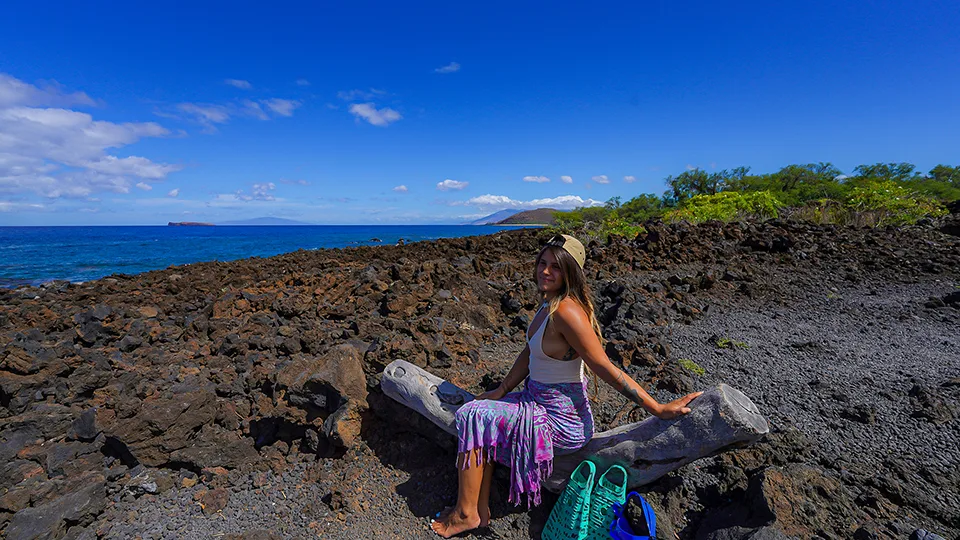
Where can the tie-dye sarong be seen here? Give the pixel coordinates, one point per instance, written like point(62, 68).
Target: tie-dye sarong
point(524, 430)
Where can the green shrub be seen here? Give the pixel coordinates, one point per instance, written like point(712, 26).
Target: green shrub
point(614, 224)
point(611, 224)
point(691, 366)
point(887, 202)
point(641, 208)
point(567, 222)
point(727, 343)
point(727, 206)
point(822, 212)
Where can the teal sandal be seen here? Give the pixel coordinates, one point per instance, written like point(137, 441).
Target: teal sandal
point(569, 519)
point(611, 489)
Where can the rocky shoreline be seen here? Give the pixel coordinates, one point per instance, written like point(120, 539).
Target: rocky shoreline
point(242, 398)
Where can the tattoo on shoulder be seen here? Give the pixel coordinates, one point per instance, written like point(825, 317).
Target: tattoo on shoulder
point(626, 390)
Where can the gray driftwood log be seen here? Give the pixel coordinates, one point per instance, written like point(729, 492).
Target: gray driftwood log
point(720, 419)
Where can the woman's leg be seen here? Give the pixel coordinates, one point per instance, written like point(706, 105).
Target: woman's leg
point(466, 514)
point(483, 501)
point(483, 504)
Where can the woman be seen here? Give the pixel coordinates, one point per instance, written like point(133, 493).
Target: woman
point(552, 415)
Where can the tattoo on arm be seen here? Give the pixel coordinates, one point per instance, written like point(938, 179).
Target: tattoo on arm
point(625, 389)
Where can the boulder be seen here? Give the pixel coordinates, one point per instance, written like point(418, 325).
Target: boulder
point(163, 425)
point(331, 389)
point(217, 450)
point(52, 519)
point(800, 500)
point(85, 427)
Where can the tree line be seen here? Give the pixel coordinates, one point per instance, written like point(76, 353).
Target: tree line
point(878, 194)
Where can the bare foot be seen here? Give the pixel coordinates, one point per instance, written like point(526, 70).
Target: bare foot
point(455, 523)
point(484, 515)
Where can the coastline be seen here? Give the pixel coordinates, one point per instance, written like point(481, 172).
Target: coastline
point(36, 255)
point(221, 353)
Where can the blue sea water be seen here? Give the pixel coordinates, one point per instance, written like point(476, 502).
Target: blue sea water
point(34, 255)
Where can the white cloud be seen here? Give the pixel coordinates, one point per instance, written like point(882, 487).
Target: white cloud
point(448, 184)
point(629, 179)
point(7, 206)
point(56, 152)
point(261, 192)
point(377, 117)
point(210, 114)
point(131, 166)
point(205, 114)
point(360, 95)
point(217, 114)
point(144, 186)
point(173, 192)
point(691, 167)
point(537, 179)
point(258, 192)
point(252, 108)
point(303, 82)
point(452, 67)
point(283, 107)
point(296, 182)
point(601, 179)
point(491, 200)
point(14, 92)
point(401, 189)
point(566, 179)
point(238, 83)
point(563, 202)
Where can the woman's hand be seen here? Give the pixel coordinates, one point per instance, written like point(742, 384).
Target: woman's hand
point(669, 411)
point(495, 394)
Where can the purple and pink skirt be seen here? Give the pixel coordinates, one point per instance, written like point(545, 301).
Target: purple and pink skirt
point(524, 431)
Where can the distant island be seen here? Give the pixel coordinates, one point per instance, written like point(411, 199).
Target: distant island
point(540, 216)
point(494, 218)
point(188, 224)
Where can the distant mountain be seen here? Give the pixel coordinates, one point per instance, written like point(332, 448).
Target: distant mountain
point(265, 221)
point(494, 217)
point(540, 216)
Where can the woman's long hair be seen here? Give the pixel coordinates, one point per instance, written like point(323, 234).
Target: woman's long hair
point(574, 286)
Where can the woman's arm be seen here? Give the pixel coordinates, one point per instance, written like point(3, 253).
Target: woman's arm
point(516, 375)
point(572, 323)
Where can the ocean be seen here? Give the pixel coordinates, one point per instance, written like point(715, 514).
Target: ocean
point(34, 255)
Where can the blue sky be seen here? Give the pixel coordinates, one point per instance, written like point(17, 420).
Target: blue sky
point(120, 113)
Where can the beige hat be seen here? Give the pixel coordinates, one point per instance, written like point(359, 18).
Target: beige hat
point(571, 245)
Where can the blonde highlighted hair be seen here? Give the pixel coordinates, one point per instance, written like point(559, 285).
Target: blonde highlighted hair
point(574, 287)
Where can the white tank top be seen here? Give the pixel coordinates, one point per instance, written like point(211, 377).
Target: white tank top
point(545, 369)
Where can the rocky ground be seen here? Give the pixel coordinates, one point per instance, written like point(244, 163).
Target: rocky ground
point(241, 399)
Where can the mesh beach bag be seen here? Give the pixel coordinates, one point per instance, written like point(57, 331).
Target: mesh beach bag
point(611, 489)
point(570, 516)
point(620, 528)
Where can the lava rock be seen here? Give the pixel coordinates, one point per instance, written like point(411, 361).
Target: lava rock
point(52, 519)
point(85, 427)
point(214, 500)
